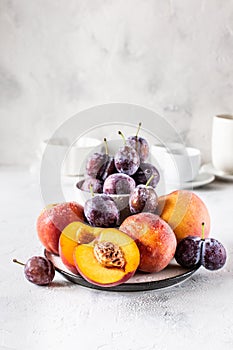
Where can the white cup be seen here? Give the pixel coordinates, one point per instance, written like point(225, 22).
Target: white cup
point(74, 156)
point(78, 153)
point(179, 164)
point(222, 143)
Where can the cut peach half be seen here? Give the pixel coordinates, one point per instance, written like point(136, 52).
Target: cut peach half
point(109, 260)
point(74, 234)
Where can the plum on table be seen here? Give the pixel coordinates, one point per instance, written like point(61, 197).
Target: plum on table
point(38, 270)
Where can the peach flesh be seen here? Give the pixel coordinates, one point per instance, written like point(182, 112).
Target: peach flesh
point(94, 272)
point(74, 234)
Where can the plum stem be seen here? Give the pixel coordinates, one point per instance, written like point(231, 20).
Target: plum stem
point(106, 146)
point(123, 137)
point(149, 180)
point(203, 231)
point(139, 127)
point(18, 262)
point(91, 190)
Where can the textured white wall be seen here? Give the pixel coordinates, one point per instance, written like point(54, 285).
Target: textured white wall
point(58, 57)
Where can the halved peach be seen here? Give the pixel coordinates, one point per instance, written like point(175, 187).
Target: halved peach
point(109, 260)
point(74, 234)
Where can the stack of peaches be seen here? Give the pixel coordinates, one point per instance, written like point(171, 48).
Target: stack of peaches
point(105, 248)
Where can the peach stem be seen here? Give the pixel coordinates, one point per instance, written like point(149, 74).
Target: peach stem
point(18, 262)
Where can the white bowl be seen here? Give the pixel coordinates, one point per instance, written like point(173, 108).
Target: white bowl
point(121, 200)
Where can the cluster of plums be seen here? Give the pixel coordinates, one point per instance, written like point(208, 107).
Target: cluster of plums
point(125, 173)
point(193, 251)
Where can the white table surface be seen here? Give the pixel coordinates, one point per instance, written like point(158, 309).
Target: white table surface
point(197, 314)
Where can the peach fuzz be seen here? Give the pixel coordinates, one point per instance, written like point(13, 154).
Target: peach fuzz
point(52, 220)
point(155, 239)
point(185, 212)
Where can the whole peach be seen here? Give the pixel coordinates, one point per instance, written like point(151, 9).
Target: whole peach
point(155, 239)
point(52, 220)
point(184, 211)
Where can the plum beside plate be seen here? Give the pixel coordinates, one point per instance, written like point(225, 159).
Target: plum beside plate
point(172, 275)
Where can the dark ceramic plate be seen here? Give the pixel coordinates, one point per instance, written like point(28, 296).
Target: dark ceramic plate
point(172, 275)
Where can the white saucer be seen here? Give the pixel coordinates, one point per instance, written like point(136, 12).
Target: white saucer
point(203, 178)
point(209, 168)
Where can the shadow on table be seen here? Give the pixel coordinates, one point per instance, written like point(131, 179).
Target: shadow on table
point(216, 185)
point(59, 284)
